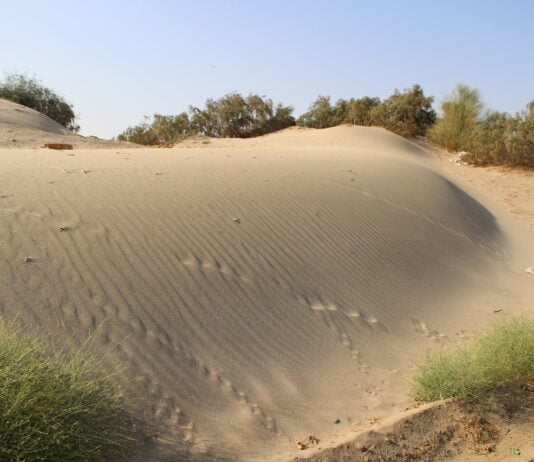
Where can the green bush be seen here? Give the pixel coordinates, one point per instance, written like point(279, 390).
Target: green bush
point(359, 111)
point(162, 130)
point(33, 94)
point(57, 408)
point(232, 116)
point(461, 112)
point(236, 116)
point(320, 114)
point(486, 142)
point(408, 113)
point(502, 139)
point(502, 355)
point(495, 138)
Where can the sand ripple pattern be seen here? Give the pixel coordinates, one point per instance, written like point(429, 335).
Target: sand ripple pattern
point(250, 293)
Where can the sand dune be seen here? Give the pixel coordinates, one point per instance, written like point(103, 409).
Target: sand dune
point(256, 291)
point(16, 114)
point(22, 127)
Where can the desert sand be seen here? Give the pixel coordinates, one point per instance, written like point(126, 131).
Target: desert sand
point(258, 291)
point(22, 127)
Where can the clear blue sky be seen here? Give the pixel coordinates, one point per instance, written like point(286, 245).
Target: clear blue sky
point(117, 60)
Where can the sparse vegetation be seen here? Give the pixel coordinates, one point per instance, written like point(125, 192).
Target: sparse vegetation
point(162, 130)
point(461, 113)
point(502, 355)
point(502, 139)
point(232, 116)
point(359, 111)
point(491, 138)
point(321, 114)
point(236, 116)
point(32, 93)
point(57, 407)
point(408, 113)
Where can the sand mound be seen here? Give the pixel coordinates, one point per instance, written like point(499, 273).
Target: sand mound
point(255, 294)
point(16, 114)
point(498, 429)
point(22, 127)
point(343, 136)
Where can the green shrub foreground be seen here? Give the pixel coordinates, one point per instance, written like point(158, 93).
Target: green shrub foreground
point(504, 354)
point(56, 408)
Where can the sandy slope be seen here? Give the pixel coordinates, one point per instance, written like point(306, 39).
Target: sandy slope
point(258, 291)
point(499, 428)
point(22, 127)
point(16, 114)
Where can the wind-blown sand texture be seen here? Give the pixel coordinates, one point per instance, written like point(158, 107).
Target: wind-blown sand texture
point(22, 127)
point(255, 291)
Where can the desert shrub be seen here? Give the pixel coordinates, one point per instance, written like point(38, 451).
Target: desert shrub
point(226, 117)
point(140, 134)
point(407, 113)
point(236, 116)
point(57, 407)
point(521, 143)
point(461, 111)
point(502, 139)
point(33, 94)
point(340, 111)
point(492, 138)
point(359, 111)
point(320, 114)
point(232, 116)
point(486, 141)
point(168, 129)
point(161, 130)
point(502, 355)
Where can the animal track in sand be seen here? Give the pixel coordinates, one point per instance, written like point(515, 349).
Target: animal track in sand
point(367, 320)
point(166, 410)
point(421, 327)
point(207, 266)
point(241, 396)
point(335, 317)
